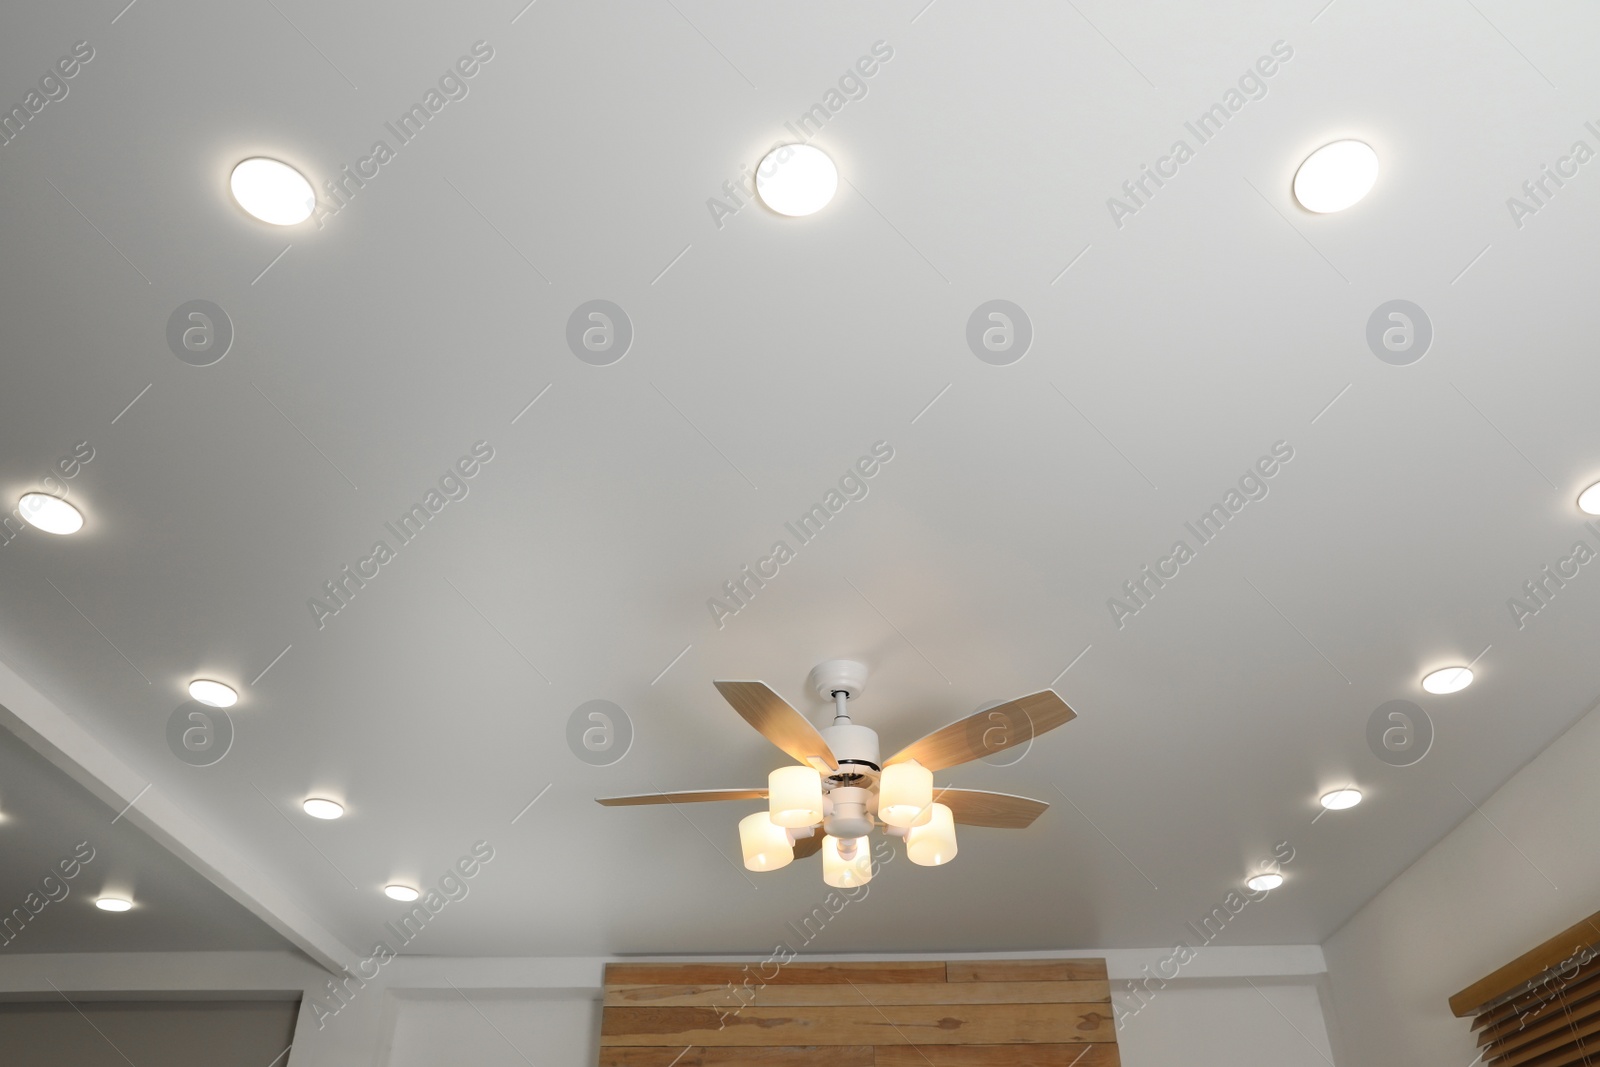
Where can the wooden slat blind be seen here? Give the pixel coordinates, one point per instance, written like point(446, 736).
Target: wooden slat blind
point(1543, 1008)
point(967, 1013)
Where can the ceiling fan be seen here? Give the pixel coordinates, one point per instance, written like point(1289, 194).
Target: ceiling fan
point(840, 786)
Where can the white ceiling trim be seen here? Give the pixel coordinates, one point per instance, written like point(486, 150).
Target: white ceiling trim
point(54, 734)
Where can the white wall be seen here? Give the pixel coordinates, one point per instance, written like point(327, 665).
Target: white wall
point(1258, 1003)
point(1504, 880)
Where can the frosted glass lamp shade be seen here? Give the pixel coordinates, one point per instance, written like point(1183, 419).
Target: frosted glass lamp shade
point(853, 868)
point(904, 793)
point(766, 847)
point(934, 843)
point(794, 796)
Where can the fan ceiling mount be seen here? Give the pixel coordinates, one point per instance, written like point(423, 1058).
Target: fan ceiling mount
point(841, 785)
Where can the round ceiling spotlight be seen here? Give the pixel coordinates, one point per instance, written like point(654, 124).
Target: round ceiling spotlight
point(318, 808)
point(797, 179)
point(1589, 500)
point(50, 513)
point(403, 893)
point(113, 904)
point(1336, 176)
point(213, 694)
point(1340, 799)
point(1448, 680)
point(273, 191)
point(1261, 883)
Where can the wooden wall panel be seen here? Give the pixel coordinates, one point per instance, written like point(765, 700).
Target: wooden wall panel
point(888, 993)
point(966, 1013)
point(1026, 970)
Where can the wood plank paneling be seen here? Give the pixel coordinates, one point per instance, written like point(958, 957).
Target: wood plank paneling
point(774, 996)
point(888, 1024)
point(788, 974)
point(1026, 970)
point(1100, 1055)
point(772, 1056)
point(968, 1013)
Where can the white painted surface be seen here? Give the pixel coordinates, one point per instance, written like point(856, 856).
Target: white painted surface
point(1521, 870)
point(1174, 354)
point(426, 1010)
point(1226, 1022)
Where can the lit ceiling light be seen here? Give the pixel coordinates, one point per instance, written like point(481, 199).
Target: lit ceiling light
point(766, 846)
point(794, 796)
point(403, 893)
point(797, 179)
point(113, 904)
point(1336, 176)
point(904, 793)
point(846, 862)
point(1448, 680)
point(1261, 883)
point(1589, 499)
point(213, 694)
point(933, 843)
point(1340, 799)
point(50, 513)
point(318, 808)
point(272, 191)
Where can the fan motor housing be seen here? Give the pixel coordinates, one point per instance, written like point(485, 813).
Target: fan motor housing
point(855, 748)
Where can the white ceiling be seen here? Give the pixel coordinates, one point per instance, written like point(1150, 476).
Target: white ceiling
point(770, 355)
point(50, 826)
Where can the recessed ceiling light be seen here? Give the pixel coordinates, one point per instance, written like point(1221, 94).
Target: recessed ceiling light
point(1589, 499)
point(1340, 799)
point(214, 694)
point(113, 904)
point(1448, 680)
point(318, 808)
point(1263, 882)
point(1336, 176)
point(797, 179)
point(402, 893)
point(272, 191)
point(50, 513)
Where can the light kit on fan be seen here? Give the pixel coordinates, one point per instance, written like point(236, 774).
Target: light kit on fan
point(934, 843)
point(839, 790)
point(905, 794)
point(846, 861)
point(794, 796)
point(766, 846)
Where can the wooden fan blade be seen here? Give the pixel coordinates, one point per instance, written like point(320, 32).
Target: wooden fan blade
point(1016, 722)
point(808, 846)
point(978, 807)
point(694, 796)
point(778, 722)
